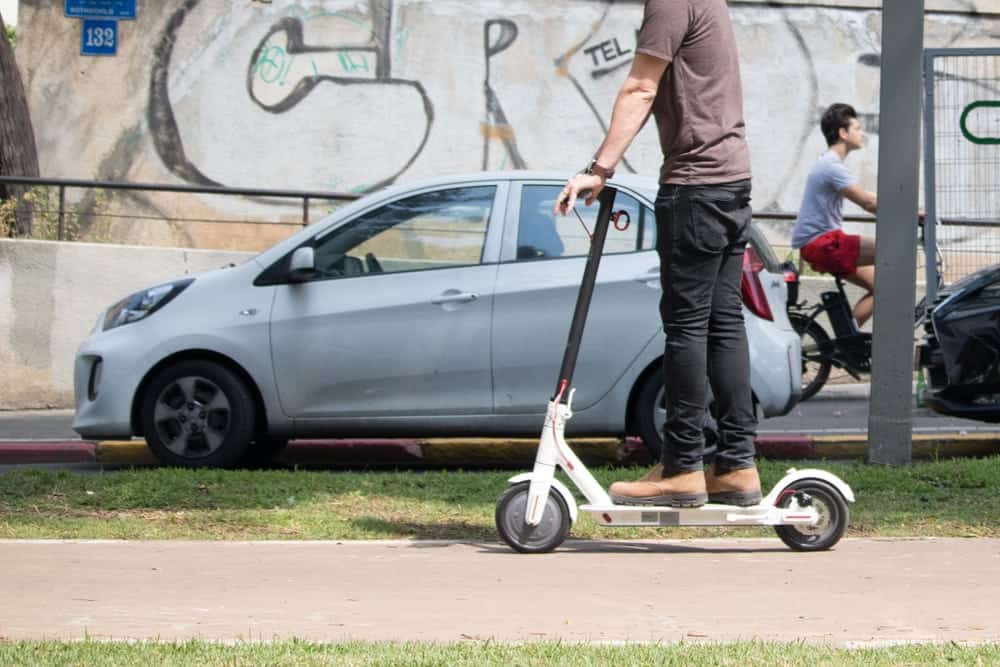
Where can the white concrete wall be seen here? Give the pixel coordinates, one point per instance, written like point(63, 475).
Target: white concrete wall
point(50, 296)
point(223, 91)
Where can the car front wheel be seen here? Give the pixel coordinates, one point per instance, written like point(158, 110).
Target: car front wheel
point(197, 414)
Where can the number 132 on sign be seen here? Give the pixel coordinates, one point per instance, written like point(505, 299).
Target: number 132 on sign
point(99, 37)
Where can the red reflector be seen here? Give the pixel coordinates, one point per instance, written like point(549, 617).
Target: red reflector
point(754, 296)
point(606, 517)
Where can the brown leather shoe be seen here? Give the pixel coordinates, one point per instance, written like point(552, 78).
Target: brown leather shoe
point(733, 487)
point(686, 489)
point(654, 475)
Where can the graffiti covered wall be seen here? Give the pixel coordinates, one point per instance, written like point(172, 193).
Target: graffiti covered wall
point(351, 95)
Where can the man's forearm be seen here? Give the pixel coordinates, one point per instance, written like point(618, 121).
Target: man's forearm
point(631, 110)
point(632, 107)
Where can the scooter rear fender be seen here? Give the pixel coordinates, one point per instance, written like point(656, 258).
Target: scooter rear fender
point(794, 475)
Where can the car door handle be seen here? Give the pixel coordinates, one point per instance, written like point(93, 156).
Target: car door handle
point(454, 296)
point(650, 279)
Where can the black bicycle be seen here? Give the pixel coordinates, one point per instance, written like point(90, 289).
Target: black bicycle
point(849, 350)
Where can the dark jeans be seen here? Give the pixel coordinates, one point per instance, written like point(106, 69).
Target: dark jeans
point(702, 231)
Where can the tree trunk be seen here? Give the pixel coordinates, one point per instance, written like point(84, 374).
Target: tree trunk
point(18, 156)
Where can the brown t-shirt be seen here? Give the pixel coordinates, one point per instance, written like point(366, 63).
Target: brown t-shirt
point(699, 106)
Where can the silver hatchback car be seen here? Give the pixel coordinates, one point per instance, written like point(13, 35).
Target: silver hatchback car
point(439, 308)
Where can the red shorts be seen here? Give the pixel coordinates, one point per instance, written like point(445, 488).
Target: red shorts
point(834, 252)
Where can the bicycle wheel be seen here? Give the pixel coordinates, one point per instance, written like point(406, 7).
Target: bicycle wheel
point(815, 365)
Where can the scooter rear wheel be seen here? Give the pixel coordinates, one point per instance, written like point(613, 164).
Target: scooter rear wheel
point(514, 530)
point(833, 516)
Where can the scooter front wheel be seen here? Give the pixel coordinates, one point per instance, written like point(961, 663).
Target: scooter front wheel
point(832, 510)
point(515, 531)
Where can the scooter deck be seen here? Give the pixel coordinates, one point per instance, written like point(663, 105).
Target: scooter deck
point(706, 515)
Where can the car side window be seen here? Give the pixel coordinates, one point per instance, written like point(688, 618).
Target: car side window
point(541, 236)
point(432, 230)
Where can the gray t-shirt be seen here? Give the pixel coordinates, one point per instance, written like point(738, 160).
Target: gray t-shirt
point(822, 208)
point(699, 105)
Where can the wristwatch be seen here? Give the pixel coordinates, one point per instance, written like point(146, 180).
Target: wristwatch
point(598, 170)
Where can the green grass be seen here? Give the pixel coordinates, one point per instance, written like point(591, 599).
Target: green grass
point(956, 498)
point(198, 653)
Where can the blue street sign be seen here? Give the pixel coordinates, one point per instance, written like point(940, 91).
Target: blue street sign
point(104, 9)
point(99, 37)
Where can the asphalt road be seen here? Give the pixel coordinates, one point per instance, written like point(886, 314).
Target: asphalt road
point(828, 416)
point(850, 416)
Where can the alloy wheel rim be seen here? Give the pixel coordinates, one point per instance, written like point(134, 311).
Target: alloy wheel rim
point(192, 416)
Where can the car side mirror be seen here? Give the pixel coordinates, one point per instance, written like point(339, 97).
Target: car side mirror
point(302, 266)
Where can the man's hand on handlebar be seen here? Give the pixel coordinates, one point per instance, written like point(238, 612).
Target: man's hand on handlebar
point(581, 185)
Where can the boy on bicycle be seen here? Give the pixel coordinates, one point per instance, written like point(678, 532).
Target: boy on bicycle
point(817, 233)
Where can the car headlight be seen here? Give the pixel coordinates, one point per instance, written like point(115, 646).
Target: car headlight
point(144, 303)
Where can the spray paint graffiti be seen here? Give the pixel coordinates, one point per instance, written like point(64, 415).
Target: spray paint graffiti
point(284, 71)
point(315, 96)
point(159, 112)
point(354, 65)
point(562, 69)
point(496, 127)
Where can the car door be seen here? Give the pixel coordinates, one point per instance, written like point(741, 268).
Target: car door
point(397, 321)
point(537, 285)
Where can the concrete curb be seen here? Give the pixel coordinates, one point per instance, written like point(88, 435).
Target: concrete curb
point(481, 452)
point(34, 451)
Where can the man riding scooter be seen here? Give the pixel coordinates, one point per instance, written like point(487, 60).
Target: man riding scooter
point(686, 74)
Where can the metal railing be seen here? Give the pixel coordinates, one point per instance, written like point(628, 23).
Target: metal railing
point(63, 183)
point(307, 196)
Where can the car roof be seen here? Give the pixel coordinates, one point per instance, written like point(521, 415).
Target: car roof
point(645, 184)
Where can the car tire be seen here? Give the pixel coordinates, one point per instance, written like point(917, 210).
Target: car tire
point(197, 414)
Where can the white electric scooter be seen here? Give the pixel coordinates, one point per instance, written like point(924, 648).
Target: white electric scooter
point(808, 508)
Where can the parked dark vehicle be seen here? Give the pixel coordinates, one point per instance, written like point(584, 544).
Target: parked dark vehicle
point(960, 353)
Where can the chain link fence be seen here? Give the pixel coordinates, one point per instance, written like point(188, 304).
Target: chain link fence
point(962, 158)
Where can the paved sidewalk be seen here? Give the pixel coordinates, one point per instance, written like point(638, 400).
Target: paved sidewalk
point(865, 591)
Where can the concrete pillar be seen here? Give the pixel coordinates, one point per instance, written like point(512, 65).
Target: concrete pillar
point(890, 423)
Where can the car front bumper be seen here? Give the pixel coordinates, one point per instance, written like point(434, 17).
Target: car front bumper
point(106, 374)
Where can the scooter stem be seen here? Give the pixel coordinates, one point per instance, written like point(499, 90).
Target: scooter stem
point(552, 447)
point(607, 202)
